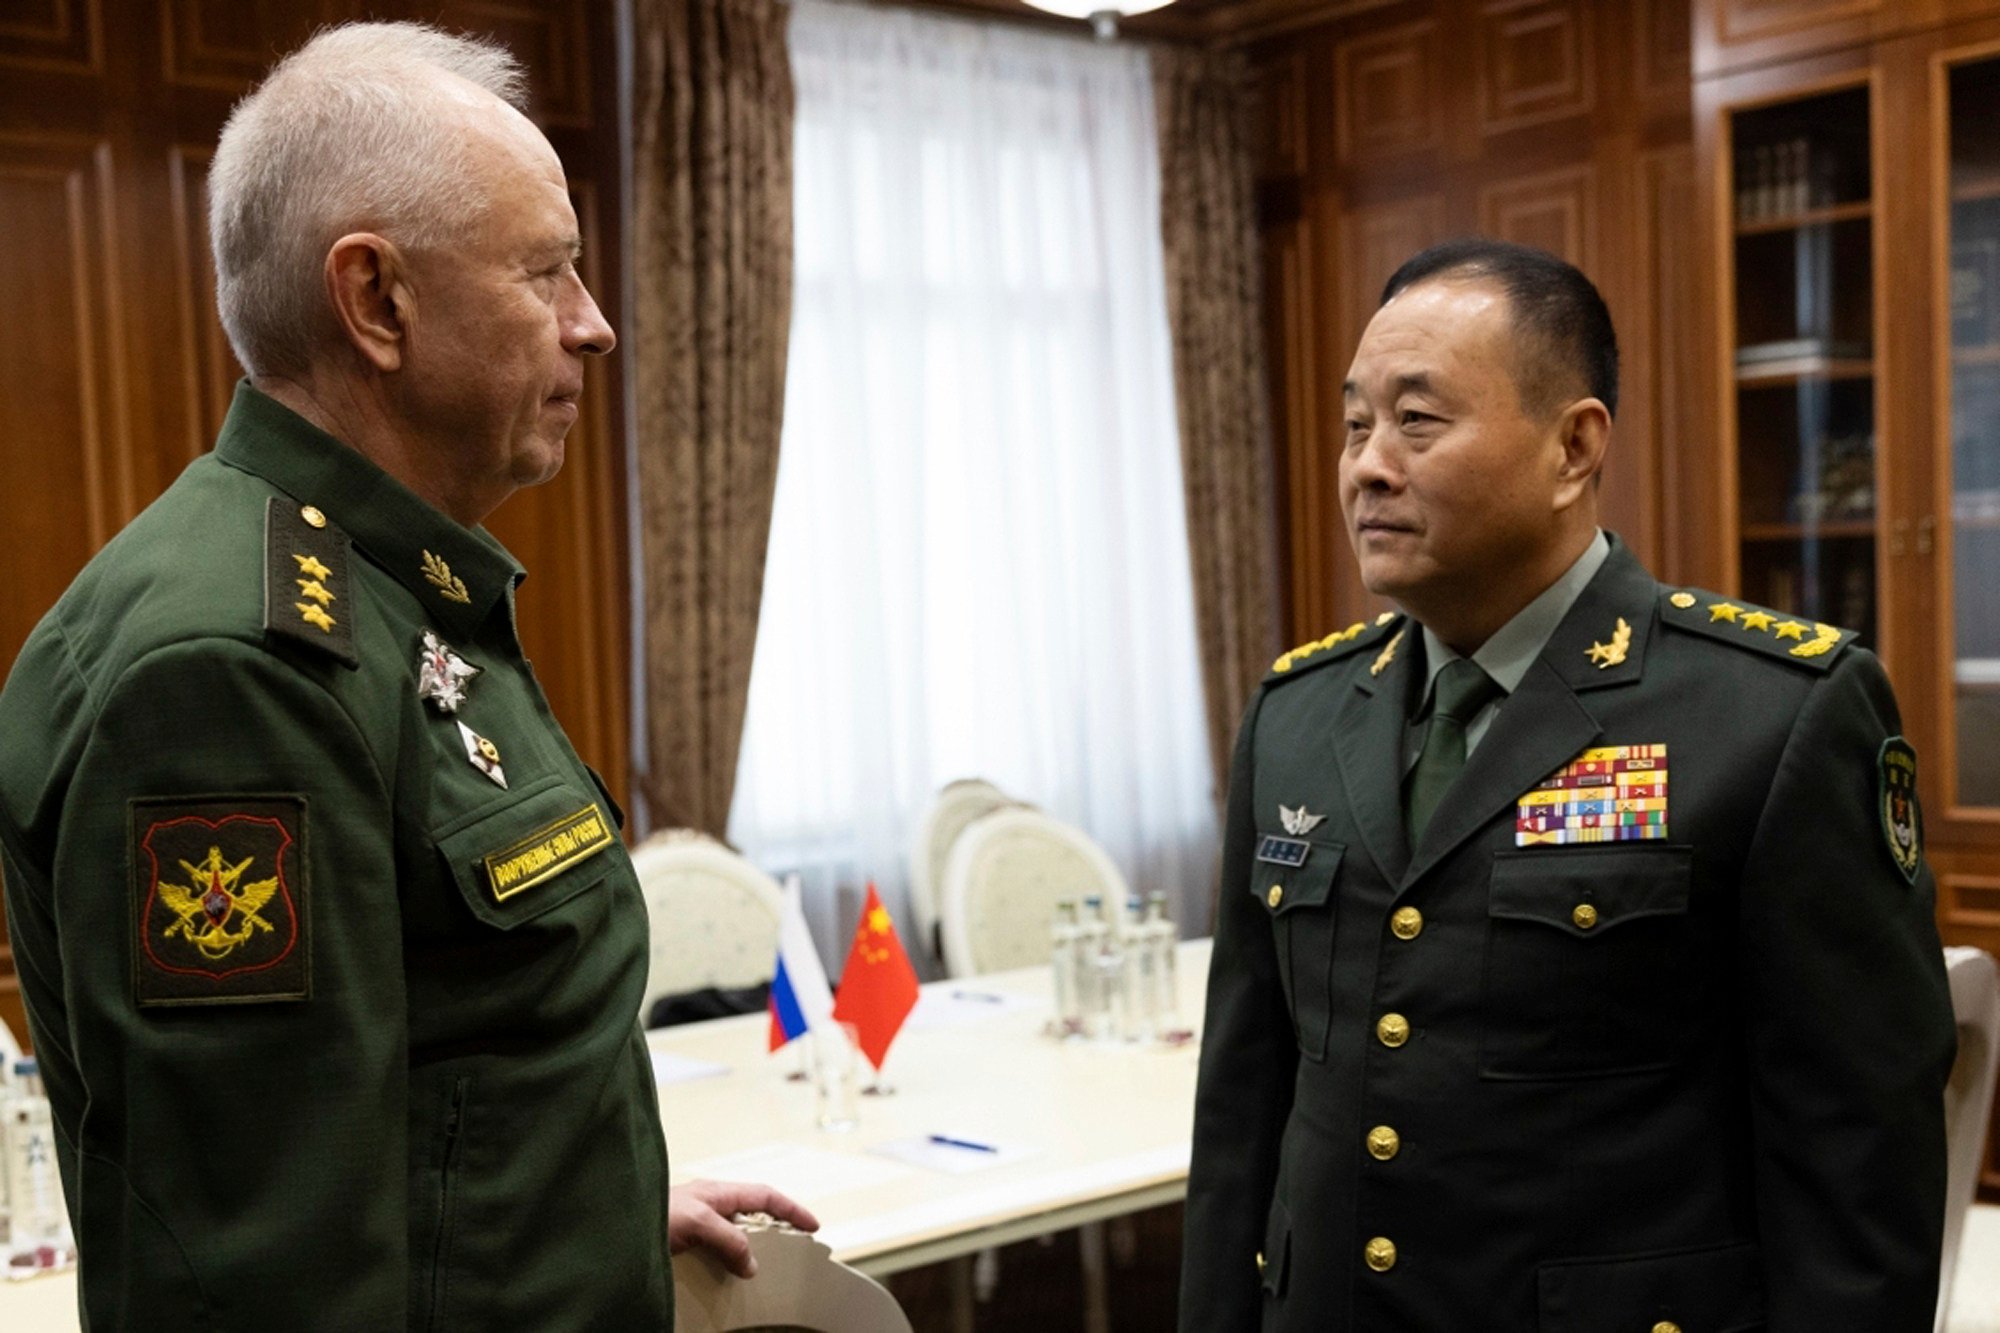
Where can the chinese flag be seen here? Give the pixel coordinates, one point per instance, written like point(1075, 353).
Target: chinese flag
point(878, 987)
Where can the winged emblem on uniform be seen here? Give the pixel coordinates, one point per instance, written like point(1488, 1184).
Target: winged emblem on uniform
point(442, 674)
point(1297, 822)
point(213, 898)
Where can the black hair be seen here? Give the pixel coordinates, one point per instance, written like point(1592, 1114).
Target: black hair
point(1552, 302)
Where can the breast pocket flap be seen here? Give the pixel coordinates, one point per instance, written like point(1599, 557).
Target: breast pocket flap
point(1287, 888)
point(534, 853)
point(1719, 1288)
point(1589, 892)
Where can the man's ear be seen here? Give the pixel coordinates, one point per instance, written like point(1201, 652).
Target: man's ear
point(1584, 432)
point(367, 280)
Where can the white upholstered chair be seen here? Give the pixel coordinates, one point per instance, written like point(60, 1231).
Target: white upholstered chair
point(798, 1286)
point(955, 806)
point(714, 915)
point(1006, 873)
point(1968, 1100)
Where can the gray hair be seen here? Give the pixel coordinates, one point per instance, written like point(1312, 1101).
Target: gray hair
point(346, 134)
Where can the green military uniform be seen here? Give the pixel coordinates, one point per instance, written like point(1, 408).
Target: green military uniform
point(331, 951)
point(1649, 1030)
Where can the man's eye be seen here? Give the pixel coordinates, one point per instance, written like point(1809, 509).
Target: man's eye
point(1412, 418)
point(1356, 426)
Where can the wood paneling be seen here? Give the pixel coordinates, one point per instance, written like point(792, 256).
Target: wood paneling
point(1536, 63)
point(1740, 34)
point(115, 372)
point(1552, 210)
point(1387, 85)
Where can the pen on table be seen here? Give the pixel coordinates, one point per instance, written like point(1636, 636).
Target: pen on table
point(947, 1141)
point(982, 996)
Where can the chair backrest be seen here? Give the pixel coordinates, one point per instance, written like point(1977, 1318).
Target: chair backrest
point(714, 916)
point(1968, 1098)
point(955, 806)
point(798, 1285)
point(1007, 872)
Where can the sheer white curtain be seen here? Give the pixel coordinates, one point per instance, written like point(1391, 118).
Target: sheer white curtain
point(978, 560)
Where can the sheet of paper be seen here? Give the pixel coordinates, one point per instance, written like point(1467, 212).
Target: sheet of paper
point(960, 1155)
point(671, 1068)
point(965, 1006)
point(804, 1173)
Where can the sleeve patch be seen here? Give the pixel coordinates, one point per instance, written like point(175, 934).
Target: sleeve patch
point(219, 907)
point(1896, 793)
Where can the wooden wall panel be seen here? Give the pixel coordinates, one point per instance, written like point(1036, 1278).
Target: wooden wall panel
point(1552, 210)
point(61, 35)
point(1536, 62)
point(1387, 85)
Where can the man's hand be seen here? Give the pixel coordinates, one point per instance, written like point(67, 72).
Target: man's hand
point(698, 1213)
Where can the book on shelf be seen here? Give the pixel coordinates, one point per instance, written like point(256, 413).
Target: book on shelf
point(1801, 349)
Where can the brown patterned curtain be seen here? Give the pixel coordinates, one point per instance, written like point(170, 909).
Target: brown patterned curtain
point(1208, 219)
point(712, 283)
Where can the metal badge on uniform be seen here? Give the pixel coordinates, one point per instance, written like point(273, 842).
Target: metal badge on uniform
point(484, 754)
point(442, 674)
point(219, 900)
point(1902, 821)
point(1614, 793)
point(1277, 851)
point(1298, 822)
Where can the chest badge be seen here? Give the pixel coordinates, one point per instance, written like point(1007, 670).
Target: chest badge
point(1297, 822)
point(1615, 793)
point(483, 754)
point(442, 674)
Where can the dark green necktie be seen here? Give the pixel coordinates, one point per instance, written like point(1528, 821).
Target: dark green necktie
point(1462, 690)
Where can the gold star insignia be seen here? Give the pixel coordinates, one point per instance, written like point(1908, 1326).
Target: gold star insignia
point(311, 567)
point(313, 615)
point(1611, 654)
point(1790, 629)
point(1758, 620)
point(316, 590)
point(1723, 611)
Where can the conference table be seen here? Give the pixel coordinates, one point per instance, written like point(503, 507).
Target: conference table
point(1040, 1134)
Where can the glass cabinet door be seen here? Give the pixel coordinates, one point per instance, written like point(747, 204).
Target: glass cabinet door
point(1968, 531)
point(1803, 372)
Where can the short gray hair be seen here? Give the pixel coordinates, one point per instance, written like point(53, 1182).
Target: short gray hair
point(344, 135)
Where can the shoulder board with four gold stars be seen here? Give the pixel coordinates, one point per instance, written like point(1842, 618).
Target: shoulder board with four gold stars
point(308, 597)
point(1339, 644)
point(1806, 643)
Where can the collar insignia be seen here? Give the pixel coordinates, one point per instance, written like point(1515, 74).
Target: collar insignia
point(442, 674)
point(1611, 654)
point(438, 574)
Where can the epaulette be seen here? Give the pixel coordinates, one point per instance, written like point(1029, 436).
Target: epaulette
point(307, 593)
point(1332, 648)
point(1808, 644)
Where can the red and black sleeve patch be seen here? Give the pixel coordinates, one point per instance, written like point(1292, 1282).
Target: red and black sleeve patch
point(219, 900)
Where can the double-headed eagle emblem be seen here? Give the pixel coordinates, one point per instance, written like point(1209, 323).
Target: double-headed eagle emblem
point(212, 899)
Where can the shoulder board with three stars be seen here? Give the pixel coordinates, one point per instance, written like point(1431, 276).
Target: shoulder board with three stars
point(1805, 643)
point(1339, 644)
point(308, 596)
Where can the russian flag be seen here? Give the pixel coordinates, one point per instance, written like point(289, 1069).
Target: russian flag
point(800, 998)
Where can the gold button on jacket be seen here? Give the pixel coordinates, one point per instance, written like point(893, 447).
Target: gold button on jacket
point(1407, 924)
point(1585, 916)
point(1666, 1326)
point(1275, 896)
point(1384, 1143)
point(1393, 1029)
point(1381, 1254)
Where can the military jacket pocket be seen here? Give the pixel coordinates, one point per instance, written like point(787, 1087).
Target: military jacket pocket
point(551, 842)
point(1300, 902)
point(1719, 1289)
point(1590, 962)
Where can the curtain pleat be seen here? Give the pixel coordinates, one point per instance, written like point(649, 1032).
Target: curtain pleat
point(712, 270)
point(1214, 302)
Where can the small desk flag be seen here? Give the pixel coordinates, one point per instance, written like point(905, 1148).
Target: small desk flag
point(800, 1000)
point(878, 988)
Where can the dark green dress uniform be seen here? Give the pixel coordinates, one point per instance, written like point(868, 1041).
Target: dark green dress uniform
point(1529, 1079)
point(332, 954)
